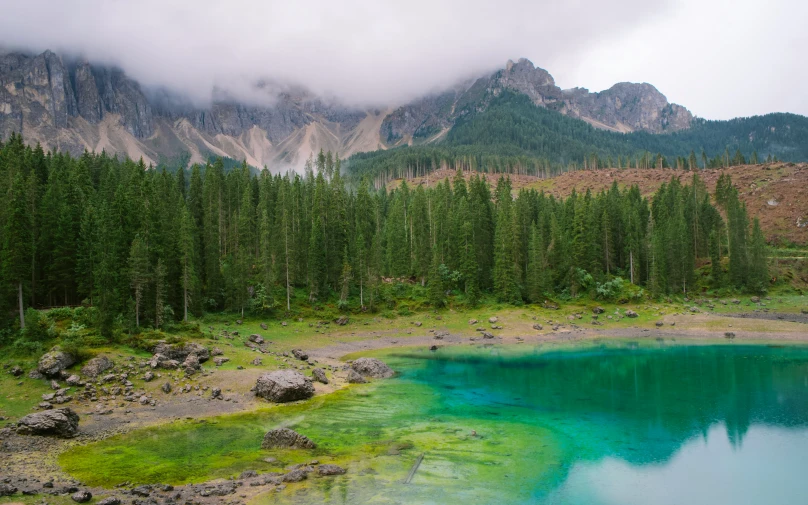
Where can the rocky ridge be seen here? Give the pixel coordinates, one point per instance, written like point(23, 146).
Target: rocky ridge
point(76, 105)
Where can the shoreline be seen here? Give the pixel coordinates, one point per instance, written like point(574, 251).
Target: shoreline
point(35, 459)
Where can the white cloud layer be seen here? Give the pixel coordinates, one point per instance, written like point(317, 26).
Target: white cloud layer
point(717, 57)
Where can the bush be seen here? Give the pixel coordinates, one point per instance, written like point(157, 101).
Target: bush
point(38, 327)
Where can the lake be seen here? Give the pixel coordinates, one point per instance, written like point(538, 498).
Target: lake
point(600, 423)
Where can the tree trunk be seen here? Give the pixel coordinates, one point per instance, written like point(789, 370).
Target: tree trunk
point(22, 312)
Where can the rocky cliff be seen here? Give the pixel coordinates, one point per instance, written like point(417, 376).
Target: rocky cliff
point(625, 107)
point(74, 105)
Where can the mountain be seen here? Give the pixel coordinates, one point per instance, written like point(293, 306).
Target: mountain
point(73, 105)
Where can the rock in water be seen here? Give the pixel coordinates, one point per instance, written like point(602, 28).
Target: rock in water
point(82, 496)
point(319, 375)
point(297, 353)
point(284, 386)
point(62, 423)
point(284, 438)
point(96, 366)
point(330, 470)
point(53, 362)
point(372, 367)
point(355, 378)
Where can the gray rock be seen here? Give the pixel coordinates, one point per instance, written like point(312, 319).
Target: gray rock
point(164, 362)
point(659, 324)
point(319, 375)
point(598, 310)
point(82, 496)
point(16, 371)
point(284, 438)
point(149, 376)
point(74, 380)
point(296, 475)
point(538, 327)
point(302, 356)
point(63, 423)
point(216, 392)
point(220, 360)
point(630, 313)
point(493, 320)
point(191, 364)
point(341, 320)
point(755, 299)
point(355, 378)
point(729, 334)
point(96, 366)
point(284, 386)
point(264, 326)
point(180, 352)
point(110, 501)
point(258, 339)
point(326, 470)
point(166, 387)
point(487, 335)
point(7, 489)
point(372, 367)
point(52, 363)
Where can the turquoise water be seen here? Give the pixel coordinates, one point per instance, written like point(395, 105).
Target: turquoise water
point(618, 423)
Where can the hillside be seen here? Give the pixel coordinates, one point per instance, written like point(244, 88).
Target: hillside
point(515, 135)
point(776, 193)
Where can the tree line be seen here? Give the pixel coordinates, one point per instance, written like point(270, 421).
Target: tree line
point(146, 246)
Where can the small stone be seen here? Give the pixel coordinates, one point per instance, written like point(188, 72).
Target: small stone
point(284, 438)
point(538, 327)
point(493, 319)
point(319, 375)
point(166, 388)
point(355, 378)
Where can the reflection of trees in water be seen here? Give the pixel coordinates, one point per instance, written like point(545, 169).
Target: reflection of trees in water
point(639, 403)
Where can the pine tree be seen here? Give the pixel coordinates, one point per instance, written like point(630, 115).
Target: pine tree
point(17, 240)
point(139, 269)
point(437, 295)
point(716, 274)
point(186, 244)
point(758, 268)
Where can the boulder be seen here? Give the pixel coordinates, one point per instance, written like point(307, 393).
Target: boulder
point(180, 352)
point(7, 489)
point(318, 374)
point(149, 376)
point(258, 339)
point(220, 360)
point(301, 355)
point(52, 363)
point(326, 470)
point(63, 423)
point(264, 326)
point(755, 299)
point(284, 438)
point(538, 327)
point(110, 501)
point(296, 475)
point(191, 364)
point(96, 366)
point(372, 367)
point(166, 387)
point(341, 320)
point(487, 335)
point(284, 386)
point(630, 313)
point(598, 310)
point(82, 496)
point(74, 380)
point(659, 324)
point(493, 320)
point(355, 378)
point(216, 393)
point(729, 334)
point(17, 371)
point(163, 361)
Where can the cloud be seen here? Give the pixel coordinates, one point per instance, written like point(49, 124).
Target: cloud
point(361, 52)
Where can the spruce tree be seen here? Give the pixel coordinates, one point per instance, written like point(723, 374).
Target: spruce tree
point(758, 268)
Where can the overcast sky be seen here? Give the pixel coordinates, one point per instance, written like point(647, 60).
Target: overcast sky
point(719, 58)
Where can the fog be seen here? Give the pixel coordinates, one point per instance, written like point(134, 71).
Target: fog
point(384, 53)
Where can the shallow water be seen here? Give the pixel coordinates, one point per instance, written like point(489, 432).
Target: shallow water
point(600, 424)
